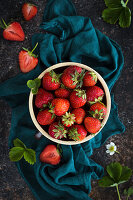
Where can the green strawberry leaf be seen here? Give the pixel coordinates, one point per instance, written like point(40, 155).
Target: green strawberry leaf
point(34, 90)
point(31, 84)
point(106, 181)
point(113, 3)
point(128, 192)
point(18, 143)
point(30, 156)
point(16, 153)
point(114, 170)
point(111, 15)
point(125, 175)
point(125, 18)
point(37, 82)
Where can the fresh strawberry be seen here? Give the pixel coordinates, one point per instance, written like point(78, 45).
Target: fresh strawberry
point(51, 81)
point(78, 98)
point(13, 31)
point(59, 106)
point(70, 76)
point(43, 98)
point(45, 117)
point(29, 11)
point(50, 154)
point(90, 79)
point(98, 110)
point(68, 119)
point(27, 60)
point(92, 125)
point(94, 94)
point(57, 130)
point(62, 93)
point(77, 132)
point(79, 114)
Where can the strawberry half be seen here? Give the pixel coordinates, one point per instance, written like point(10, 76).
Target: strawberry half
point(68, 119)
point(29, 11)
point(57, 130)
point(77, 132)
point(51, 81)
point(45, 117)
point(98, 110)
point(13, 31)
point(78, 98)
point(51, 155)
point(92, 125)
point(94, 94)
point(27, 60)
point(90, 79)
point(79, 114)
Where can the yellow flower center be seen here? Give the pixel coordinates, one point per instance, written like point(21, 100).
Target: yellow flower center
point(111, 148)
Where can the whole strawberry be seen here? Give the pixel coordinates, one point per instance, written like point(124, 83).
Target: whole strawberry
point(70, 76)
point(45, 117)
point(90, 79)
point(13, 31)
point(51, 81)
point(78, 98)
point(29, 11)
point(27, 60)
point(51, 155)
point(62, 93)
point(79, 114)
point(77, 132)
point(59, 106)
point(57, 130)
point(43, 98)
point(68, 119)
point(92, 125)
point(94, 94)
point(98, 110)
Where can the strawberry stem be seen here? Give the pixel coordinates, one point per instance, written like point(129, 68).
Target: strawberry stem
point(4, 25)
point(34, 48)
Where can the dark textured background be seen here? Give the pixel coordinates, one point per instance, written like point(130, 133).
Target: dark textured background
point(11, 184)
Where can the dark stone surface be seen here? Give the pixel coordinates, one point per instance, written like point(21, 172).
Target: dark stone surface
point(12, 185)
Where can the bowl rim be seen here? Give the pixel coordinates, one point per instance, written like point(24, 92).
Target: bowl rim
point(108, 101)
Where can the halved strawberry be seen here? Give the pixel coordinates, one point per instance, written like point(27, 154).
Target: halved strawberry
point(51, 81)
point(57, 130)
point(90, 79)
point(68, 119)
point(13, 31)
point(79, 114)
point(98, 110)
point(92, 125)
point(77, 132)
point(94, 94)
point(27, 60)
point(44, 117)
point(29, 11)
point(78, 98)
point(51, 154)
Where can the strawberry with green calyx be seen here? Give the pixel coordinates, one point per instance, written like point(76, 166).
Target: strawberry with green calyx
point(27, 60)
point(78, 98)
point(34, 85)
point(57, 130)
point(68, 119)
point(51, 81)
point(90, 79)
point(12, 31)
point(29, 11)
point(98, 110)
point(44, 117)
point(92, 125)
point(79, 114)
point(43, 97)
point(59, 106)
point(77, 132)
point(62, 93)
point(51, 154)
point(94, 94)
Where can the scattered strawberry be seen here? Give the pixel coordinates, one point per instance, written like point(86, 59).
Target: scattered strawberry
point(57, 130)
point(59, 106)
point(98, 110)
point(62, 93)
point(51, 80)
point(77, 132)
point(43, 98)
point(13, 31)
point(68, 119)
point(51, 155)
point(29, 11)
point(70, 76)
point(94, 94)
point(45, 117)
point(90, 79)
point(79, 114)
point(78, 98)
point(92, 125)
point(27, 60)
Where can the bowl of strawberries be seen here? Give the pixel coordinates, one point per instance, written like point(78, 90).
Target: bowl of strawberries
point(69, 103)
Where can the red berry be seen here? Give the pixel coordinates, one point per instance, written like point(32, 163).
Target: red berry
point(78, 98)
point(90, 79)
point(68, 119)
point(94, 94)
point(29, 11)
point(98, 110)
point(51, 81)
point(45, 117)
point(79, 114)
point(57, 130)
point(77, 132)
point(92, 125)
point(62, 93)
point(59, 106)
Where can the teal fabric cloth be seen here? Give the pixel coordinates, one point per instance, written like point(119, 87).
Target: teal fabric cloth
point(69, 38)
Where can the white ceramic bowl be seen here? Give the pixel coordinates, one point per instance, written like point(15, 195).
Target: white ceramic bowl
point(107, 95)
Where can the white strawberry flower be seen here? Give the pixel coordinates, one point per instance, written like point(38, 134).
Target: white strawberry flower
point(111, 148)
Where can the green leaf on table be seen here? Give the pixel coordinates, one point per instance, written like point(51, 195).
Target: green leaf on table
point(18, 143)
point(37, 82)
point(114, 170)
point(112, 3)
point(125, 17)
point(125, 174)
point(30, 156)
point(128, 192)
point(16, 153)
point(106, 181)
point(31, 84)
point(111, 15)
